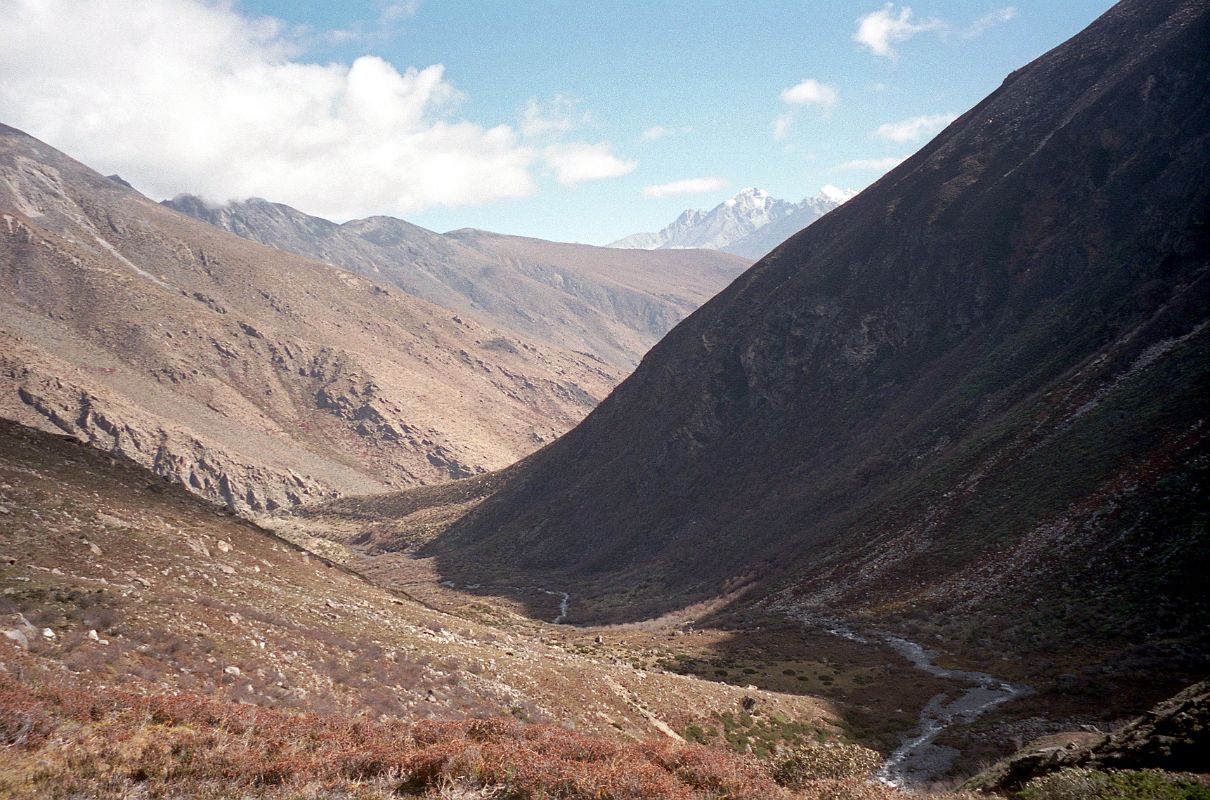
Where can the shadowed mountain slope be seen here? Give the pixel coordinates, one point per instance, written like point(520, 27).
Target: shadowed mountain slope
point(591, 299)
point(976, 389)
point(251, 376)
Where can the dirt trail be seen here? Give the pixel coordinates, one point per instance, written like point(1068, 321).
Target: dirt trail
point(656, 722)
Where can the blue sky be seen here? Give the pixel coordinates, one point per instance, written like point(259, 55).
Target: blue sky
point(549, 119)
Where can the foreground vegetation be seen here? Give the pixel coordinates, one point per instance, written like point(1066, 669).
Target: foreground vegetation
point(65, 741)
point(1093, 784)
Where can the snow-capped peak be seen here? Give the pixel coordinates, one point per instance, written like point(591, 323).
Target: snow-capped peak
point(751, 196)
point(750, 223)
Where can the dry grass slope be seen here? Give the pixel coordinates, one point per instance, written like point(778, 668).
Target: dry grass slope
point(251, 376)
point(66, 741)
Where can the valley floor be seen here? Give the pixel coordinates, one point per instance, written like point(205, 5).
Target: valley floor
point(149, 640)
point(881, 695)
point(153, 646)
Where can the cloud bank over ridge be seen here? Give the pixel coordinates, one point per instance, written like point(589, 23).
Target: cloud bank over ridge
point(176, 95)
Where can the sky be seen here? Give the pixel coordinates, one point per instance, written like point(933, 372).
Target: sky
point(565, 120)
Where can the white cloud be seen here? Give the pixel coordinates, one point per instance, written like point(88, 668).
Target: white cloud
point(577, 162)
point(873, 164)
point(989, 20)
point(656, 132)
point(810, 92)
point(177, 95)
point(561, 115)
point(914, 128)
point(782, 124)
point(396, 10)
point(881, 29)
point(391, 15)
point(836, 194)
point(687, 186)
point(806, 92)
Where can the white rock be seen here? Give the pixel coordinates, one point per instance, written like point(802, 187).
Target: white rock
point(47, 633)
point(224, 546)
point(92, 634)
point(18, 636)
point(232, 671)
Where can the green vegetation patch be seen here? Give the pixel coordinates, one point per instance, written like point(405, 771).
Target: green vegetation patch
point(1090, 784)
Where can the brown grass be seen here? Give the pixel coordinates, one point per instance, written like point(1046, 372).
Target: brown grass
point(65, 741)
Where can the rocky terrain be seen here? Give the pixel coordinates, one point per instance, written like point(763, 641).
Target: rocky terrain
point(256, 378)
point(1172, 736)
point(750, 224)
point(967, 407)
point(611, 305)
point(761, 241)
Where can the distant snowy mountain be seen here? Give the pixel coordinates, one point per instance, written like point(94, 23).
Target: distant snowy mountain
point(749, 224)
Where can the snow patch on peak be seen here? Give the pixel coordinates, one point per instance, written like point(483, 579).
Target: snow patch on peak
point(752, 220)
point(750, 196)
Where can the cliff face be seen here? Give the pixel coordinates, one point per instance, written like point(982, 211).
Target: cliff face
point(253, 377)
point(977, 387)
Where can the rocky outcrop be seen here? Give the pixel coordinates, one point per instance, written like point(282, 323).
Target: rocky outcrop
point(179, 455)
point(1173, 736)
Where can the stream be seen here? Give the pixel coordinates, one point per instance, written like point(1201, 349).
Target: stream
point(919, 759)
point(564, 597)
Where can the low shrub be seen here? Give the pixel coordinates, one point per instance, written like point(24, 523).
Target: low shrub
point(1090, 784)
point(64, 741)
point(798, 766)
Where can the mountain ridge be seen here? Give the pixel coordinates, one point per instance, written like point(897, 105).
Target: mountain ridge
point(750, 223)
point(593, 300)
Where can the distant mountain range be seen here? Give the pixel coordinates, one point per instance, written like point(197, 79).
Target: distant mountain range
point(750, 224)
point(613, 305)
